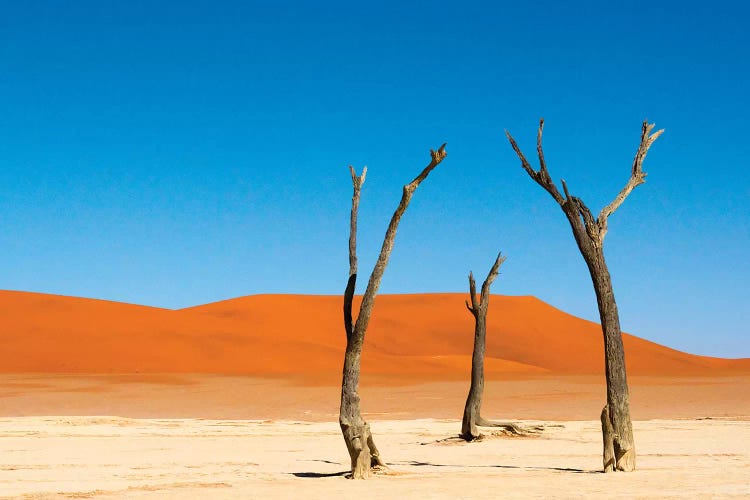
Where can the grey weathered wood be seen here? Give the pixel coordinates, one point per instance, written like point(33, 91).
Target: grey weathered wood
point(357, 435)
point(473, 418)
point(589, 233)
point(608, 439)
point(478, 309)
point(357, 182)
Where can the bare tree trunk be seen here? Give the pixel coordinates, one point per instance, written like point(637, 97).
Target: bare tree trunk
point(618, 394)
point(473, 407)
point(618, 397)
point(357, 435)
point(608, 438)
point(359, 442)
point(478, 309)
point(617, 428)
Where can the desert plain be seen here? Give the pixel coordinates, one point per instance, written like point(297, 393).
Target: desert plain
point(239, 399)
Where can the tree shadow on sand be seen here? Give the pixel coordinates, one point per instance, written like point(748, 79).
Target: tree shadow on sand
point(416, 463)
point(513, 433)
point(319, 474)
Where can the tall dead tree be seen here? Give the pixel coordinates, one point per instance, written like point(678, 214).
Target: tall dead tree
point(478, 309)
point(473, 409)
point(357, 435)
point(589, 232)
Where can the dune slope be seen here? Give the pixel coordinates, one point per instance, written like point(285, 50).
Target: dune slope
point(411, 337)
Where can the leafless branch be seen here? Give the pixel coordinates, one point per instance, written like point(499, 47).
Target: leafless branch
point(596, 228)
point(474, 307)
point(637, 175)
point(373, 284)
point(357, 182)
point(539, 150)
point(494, 271)
point(477, 306)
point(542, 176)
point(437, 157)
point(565, 189)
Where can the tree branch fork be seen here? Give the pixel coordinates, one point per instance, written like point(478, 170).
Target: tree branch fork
point(477, 306)
point(596, 228)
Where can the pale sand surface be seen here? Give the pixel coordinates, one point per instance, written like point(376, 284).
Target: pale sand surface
point(210, 436)
point(109, 457)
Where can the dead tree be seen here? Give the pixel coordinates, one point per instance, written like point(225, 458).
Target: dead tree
point(589, 232)
point(473, 410)
point(357, 435)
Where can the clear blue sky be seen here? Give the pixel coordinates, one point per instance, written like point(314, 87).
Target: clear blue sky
point(190, 152)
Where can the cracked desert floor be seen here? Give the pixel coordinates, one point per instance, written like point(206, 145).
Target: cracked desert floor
point(199, 436)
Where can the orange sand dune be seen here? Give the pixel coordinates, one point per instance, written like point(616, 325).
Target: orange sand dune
point(411, 338)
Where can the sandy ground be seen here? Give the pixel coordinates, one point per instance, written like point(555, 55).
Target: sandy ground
point(107, 457)
point(552, 397)
point(205, 436)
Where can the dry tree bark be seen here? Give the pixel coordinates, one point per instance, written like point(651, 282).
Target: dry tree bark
point(608, 439)
point(473, 408)
point(357, 435)
point(589, 234)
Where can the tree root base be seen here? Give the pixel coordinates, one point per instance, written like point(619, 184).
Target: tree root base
point(615, 458)
point(505, 429)
point(375, 470)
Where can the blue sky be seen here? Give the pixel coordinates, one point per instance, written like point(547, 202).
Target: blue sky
point(197, 151)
